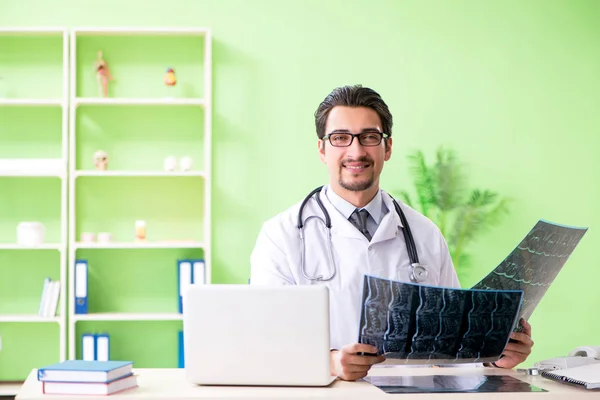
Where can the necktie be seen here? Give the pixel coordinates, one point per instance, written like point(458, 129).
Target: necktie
point(359, 220)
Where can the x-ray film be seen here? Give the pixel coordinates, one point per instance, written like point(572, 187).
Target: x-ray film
point(534, 263)
point(418, 324)
point(451, 384)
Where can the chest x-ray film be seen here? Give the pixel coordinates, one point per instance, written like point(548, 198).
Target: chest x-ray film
point(534, 263)
point(418, 324)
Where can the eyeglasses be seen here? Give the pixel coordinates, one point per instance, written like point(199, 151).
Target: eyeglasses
point(365, 139)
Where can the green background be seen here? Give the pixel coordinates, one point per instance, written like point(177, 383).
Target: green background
point(512, 85)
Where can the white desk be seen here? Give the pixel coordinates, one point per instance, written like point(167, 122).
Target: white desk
point(170, 384)
point(10, 388)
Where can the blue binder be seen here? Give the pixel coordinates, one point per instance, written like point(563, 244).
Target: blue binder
point(88, 347)
point(185, 278)
point(181, 360)
point(102, 341)
point(199, 272)
point(81, 287)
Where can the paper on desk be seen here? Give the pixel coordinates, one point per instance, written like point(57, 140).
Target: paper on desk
point(418, 324)
point(534, 263)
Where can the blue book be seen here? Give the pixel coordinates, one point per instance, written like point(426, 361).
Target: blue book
point(85, 371)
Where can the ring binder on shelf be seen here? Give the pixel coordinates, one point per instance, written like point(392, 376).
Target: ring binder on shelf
point(102, 347)
point(81, 286)
point(199, 274)
point(184, 269)
point(181, 359)
point(88, 347)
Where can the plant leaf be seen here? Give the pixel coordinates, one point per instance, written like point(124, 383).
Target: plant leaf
point(424, 182)
point(460, 214)
point(450, 182)
point(406, 198)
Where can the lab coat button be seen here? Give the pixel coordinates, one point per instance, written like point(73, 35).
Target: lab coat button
point(370, 247)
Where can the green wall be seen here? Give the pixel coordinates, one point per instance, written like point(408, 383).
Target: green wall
point(513, 86)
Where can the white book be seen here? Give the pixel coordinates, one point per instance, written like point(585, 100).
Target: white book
point(45, 291)
point(90, 388)
point(55, 294)
point(48, 299)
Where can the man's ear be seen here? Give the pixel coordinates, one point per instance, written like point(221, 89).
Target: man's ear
point(388, 149)
point(321, 146)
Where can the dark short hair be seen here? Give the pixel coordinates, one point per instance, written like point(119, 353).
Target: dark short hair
point(353, 96)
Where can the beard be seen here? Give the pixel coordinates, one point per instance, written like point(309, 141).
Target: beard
point(357, 186)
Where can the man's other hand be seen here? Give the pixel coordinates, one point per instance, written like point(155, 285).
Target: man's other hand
point(348, 365)
point(518, 349)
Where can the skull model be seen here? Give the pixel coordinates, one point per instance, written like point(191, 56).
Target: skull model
point(101, 160)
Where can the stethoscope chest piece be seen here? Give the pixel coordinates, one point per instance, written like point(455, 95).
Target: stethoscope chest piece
point(419, 273)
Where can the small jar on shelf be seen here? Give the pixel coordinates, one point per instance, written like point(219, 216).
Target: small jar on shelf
point(140, 231)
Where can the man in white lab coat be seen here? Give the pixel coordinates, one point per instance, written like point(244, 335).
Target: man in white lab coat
point(354, 128)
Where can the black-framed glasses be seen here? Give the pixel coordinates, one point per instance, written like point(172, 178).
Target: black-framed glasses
point(368, 139)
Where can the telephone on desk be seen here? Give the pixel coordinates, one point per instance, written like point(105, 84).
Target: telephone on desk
point(584, 355)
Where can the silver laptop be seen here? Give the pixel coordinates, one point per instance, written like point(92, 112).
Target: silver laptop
point(256, 335)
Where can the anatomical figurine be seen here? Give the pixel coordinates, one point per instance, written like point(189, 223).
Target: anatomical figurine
point(103, 75)
point(101, 160)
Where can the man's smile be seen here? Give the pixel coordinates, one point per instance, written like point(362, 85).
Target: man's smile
point(356, 167)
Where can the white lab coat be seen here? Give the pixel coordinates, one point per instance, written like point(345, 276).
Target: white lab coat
point(276, 258)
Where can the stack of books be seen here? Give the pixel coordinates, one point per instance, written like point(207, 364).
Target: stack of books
point(87, 377)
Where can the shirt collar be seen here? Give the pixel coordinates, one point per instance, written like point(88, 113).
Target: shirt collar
point(375, 206)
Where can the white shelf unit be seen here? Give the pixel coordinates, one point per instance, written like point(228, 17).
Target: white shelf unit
point(137, 102)
point(128, 317)
point(140, 245)
point(150, 174)
point(75, 102)
point(62, 103)
point(29, 174)
point(29, 318)
point(33, 102)
point(45, 246)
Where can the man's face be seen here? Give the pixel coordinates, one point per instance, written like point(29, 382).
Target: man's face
point(356, 167)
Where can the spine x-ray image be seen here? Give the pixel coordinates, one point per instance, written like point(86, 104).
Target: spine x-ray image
point(417, 324)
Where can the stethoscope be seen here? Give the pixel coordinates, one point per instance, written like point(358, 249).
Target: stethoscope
point(418, 274)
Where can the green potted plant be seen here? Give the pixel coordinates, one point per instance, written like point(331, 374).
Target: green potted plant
point(442, 194)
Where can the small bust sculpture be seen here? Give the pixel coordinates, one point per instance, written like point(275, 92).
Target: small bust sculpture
point(101, 160)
